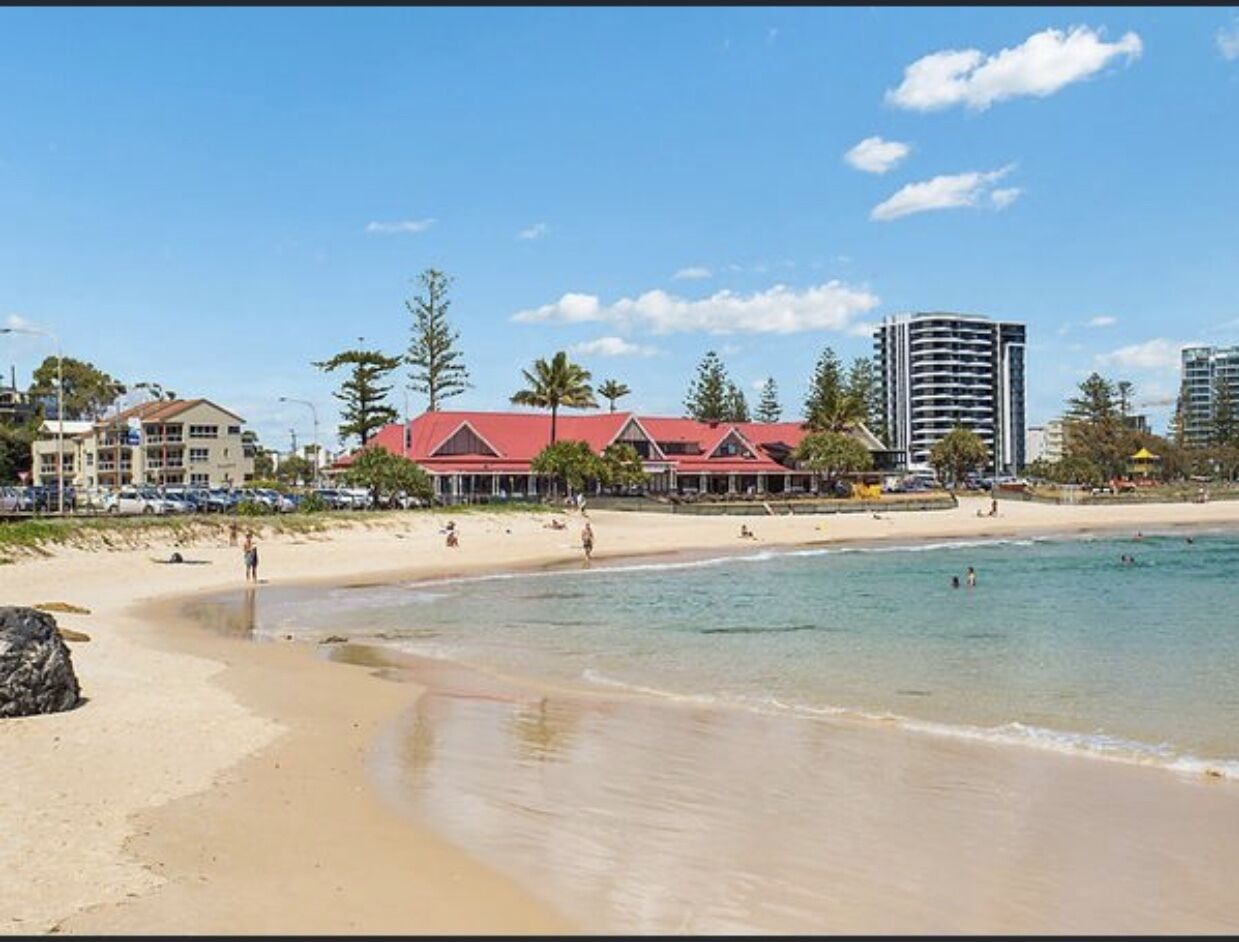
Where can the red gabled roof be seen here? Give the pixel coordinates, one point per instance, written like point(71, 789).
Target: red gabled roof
point(518, 437)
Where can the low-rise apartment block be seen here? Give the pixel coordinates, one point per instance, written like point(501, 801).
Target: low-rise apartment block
point(177, 442)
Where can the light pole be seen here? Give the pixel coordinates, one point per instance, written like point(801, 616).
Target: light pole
point(60, 409)
point(314, 414)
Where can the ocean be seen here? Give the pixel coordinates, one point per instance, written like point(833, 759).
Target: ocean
point(1059, 645)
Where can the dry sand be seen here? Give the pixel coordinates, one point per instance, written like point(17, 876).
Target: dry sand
point(212, 785)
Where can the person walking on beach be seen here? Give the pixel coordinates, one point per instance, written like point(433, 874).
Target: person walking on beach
point(587, 542)
point(232, 533)
point(972, 577)
point(250, 551)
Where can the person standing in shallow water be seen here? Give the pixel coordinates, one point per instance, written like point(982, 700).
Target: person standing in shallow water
point(954, 582)
point(251, 557)
point(972, 577)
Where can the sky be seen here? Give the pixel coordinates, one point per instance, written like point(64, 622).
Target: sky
point(214, 199)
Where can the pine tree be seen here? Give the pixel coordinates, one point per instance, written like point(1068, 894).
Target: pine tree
point(768, 408)
point(829, 406)
point(863, 387)
point(737, 405)
point(365, 407)
point(438, 367)
point(707, 394)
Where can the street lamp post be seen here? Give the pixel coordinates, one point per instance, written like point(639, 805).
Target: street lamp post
point(60, 409)
point(314, 414)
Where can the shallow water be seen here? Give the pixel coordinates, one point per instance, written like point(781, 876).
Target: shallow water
point(1058, 646)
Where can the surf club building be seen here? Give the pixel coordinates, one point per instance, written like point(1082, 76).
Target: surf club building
point(477, 456)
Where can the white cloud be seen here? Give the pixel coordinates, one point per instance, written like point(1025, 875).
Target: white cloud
point(874, 155)
point(407, 225)
point(772, 34)
point(611, 347)
point(758, 384)
point(536, 231)
point(17, 322)
point(1103, 321)
point(1003, 198)
point(1156, 354)
point(572, 308)
point(945, 192)
point(1040, 66)
point(862, 329)
point(777, 310)
point(1228, 42)
point(693, 273)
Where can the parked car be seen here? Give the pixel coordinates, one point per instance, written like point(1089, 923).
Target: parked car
point(359, 498)
point(333, 498)
point(132, 500)
point(10, 500)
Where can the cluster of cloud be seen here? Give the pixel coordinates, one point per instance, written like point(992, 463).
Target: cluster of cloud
point(874, 155)
point(1104, 320)
point(612, 347)
point(1228, 42)
point(777, 310)
point(412, 226)
point(17, 322)
point(1158, 354)
point(536, 231)
point(1040, 66)
point(949, 191)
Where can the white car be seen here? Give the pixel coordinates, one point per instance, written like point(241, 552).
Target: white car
point(130, 500)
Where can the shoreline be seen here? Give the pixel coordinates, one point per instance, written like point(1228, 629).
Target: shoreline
point(225, 693)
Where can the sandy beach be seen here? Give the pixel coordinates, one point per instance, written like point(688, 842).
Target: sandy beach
point(209, 784)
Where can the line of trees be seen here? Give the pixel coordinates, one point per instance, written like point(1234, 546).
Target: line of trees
point(1099, 439)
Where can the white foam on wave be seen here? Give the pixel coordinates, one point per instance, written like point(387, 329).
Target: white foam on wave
point(1097, 745)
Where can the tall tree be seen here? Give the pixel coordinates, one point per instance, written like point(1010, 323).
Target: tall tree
point(707, 393)
point(1224, 427)
point(863, 387)
point(438, 366)
point(737, 406)
point(554, 385)
point(957, 452)
point(364, 393)
point(612, 389)
point(1178, 422)
point(1097, 400)
point(1123, 392)
point(830, 405)
point(768, 408)
point(1094, 429)
point(622, 465)
point(88, 391)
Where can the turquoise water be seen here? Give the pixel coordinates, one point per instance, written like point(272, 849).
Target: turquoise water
point(1058, 646)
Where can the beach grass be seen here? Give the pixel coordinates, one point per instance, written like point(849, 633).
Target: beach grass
point(39, 536)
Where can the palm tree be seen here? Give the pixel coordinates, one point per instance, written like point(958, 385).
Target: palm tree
point(555, 384)
point(611, 390)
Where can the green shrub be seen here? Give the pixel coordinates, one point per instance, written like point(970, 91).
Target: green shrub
point(312, 504)
point(252, 508)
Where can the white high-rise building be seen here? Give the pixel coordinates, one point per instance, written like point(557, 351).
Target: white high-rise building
point(940, 370)
point(1205, 369)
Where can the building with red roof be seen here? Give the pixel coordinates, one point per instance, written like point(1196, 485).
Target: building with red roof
point(472, 455)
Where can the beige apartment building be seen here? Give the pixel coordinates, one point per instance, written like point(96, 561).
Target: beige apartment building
point(189, 442)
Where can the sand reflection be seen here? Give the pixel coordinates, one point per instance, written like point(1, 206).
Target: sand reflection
point(637, 816)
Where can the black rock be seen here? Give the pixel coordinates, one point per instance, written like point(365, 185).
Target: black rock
point(36, 668)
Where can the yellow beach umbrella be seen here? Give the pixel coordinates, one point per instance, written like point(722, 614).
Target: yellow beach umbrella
point(1144, 455)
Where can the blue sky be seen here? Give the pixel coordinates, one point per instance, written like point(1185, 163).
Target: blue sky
point(213, 198)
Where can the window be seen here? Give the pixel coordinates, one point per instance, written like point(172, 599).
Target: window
point(204, 431)
point(199, 478)
point(199, 455)
point(234, 430)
